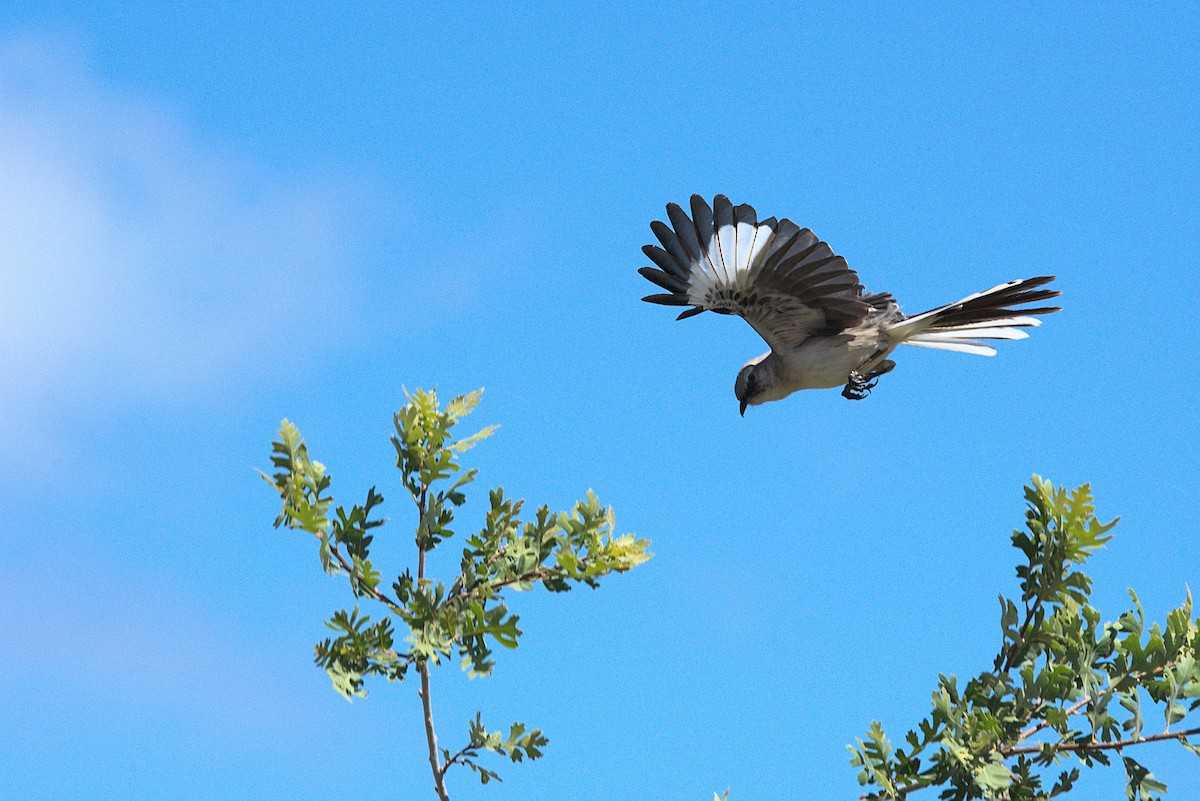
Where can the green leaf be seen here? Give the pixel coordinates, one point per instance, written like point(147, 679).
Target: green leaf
point(992, 776)
point(1141, 783)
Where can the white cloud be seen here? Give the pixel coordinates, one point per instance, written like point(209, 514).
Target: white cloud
point(133, 257)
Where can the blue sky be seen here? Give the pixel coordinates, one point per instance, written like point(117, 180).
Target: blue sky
point(216, 216)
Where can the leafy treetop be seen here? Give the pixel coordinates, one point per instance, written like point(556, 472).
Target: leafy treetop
point(470, 615)
point(1048, 699)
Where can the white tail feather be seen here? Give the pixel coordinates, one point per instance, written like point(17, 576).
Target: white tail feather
point(1022, 322)
point(959, 345)
point(973, 333)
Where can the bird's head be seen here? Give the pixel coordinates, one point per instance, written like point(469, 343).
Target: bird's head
point(749, 386)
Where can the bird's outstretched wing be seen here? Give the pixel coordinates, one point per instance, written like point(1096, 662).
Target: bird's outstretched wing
point(781, 278)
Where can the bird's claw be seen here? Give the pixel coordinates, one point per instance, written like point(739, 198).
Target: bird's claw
point(859, 387)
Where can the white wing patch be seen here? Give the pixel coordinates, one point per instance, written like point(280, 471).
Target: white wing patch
point(779, 277)
point(729, 265)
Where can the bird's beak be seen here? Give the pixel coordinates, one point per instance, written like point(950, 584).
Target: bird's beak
point(742, 408)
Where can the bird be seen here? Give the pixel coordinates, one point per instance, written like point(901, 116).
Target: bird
point(823, 330)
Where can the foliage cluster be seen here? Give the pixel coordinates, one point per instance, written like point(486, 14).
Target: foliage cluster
point(467, 617)
point(1063, 688)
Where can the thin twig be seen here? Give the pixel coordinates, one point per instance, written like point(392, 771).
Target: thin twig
point(1071, 710)
point(491, 560)
point(901, 791)
point(1092, 745)
point(1030, 613)
point(537, 574)
point(421, 546)
point(346, 566)
point(465, 751)
point(1087, 699)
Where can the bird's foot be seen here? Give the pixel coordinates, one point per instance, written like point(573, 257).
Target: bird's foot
point(859, 387)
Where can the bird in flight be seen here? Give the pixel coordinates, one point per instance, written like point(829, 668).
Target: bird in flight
point(809, 306)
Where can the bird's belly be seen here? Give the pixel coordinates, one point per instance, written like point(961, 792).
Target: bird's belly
point(828, 361)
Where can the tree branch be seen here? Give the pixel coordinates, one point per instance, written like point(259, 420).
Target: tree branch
point(439, 772)
point(349, 569)
point(1092, 745)
point(1140, 678)
point(1071, 710)
point(430, 735)
point(467, 594)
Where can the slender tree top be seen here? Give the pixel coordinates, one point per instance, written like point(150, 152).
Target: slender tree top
point(469, 615)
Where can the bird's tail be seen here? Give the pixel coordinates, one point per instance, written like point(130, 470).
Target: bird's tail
point(990, 314)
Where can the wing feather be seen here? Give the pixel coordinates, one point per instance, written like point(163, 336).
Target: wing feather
point(782, 279)
point(667, 262)
point(747, 226)
point(675, 250)
point(670, 240)
point(665, 299)
point(703, 215)
point(685, 231)
point(665, 280)
point(726, 240)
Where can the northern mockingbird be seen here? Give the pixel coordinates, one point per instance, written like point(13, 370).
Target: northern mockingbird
point(808, 305)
